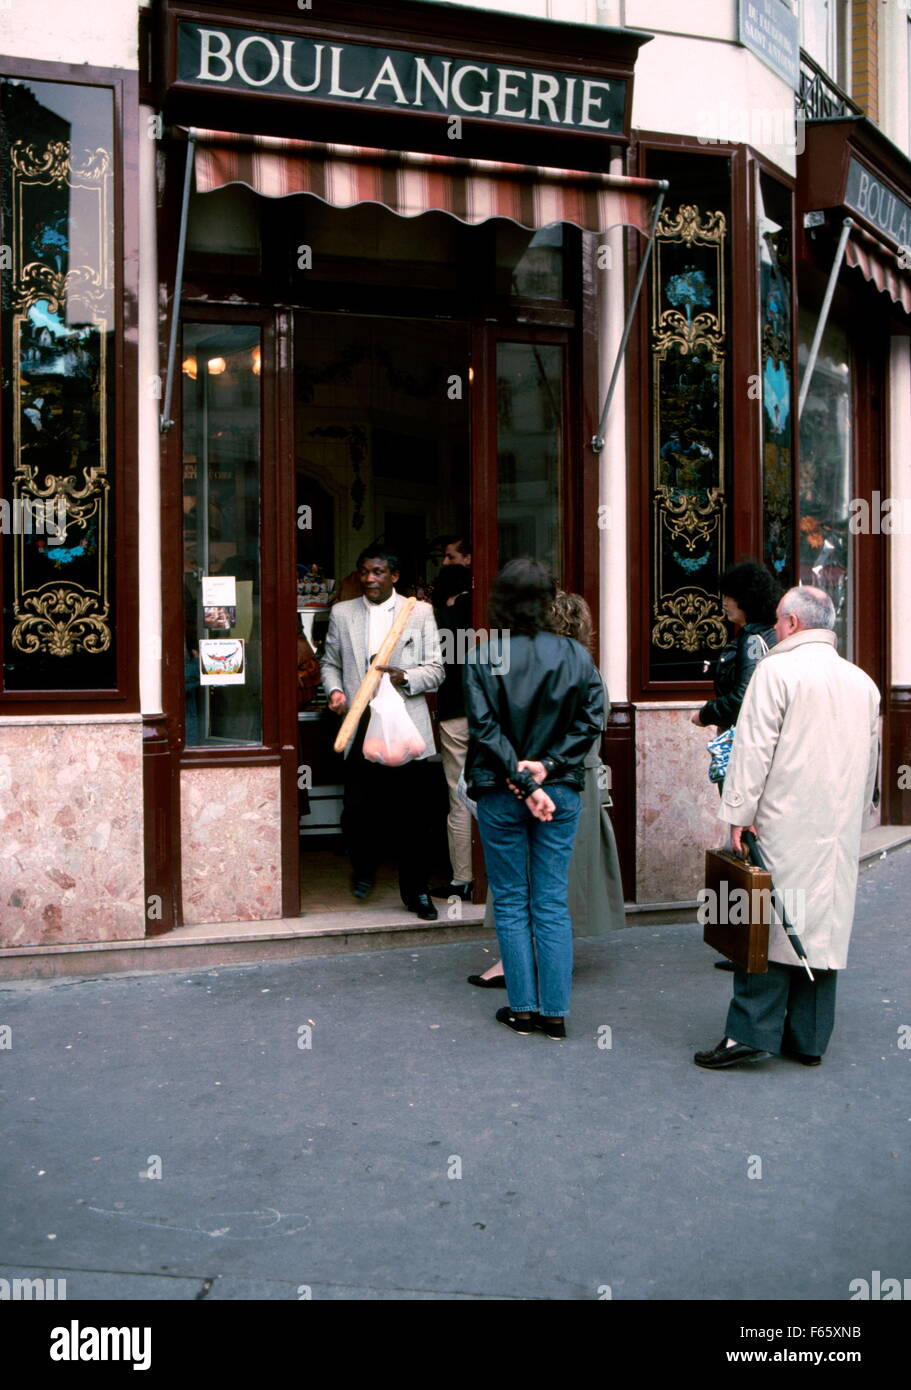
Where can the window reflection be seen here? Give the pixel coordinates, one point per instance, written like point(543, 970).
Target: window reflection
point(825, 474)
point(530, 450)
point(221, 440)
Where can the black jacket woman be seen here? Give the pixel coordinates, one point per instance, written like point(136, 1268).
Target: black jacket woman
point(532, 718)
point(749, 597)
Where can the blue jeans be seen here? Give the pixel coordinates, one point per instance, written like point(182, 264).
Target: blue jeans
point(527, 868)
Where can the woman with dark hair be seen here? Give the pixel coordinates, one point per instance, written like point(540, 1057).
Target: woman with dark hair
point(749, 596)
point(532, 718)
point(595, 887)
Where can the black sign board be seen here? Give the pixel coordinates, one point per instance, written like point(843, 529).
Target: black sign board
point(227, 58)
point(874, 200)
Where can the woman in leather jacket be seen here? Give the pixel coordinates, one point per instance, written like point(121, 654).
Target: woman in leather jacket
point(532, 718)
point(750, 595)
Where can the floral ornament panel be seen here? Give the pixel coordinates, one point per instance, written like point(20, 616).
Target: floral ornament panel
point(689, 359)
point(777, 400)
point(58, 297)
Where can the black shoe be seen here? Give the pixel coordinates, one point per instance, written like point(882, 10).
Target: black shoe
point(362, 888)
point(553, 1028)
point(806, 1059)
point(495, 981)
point(455, 890)
point(524, 1026)
point(724, 1056)
point(424, 908)
point(724, 965)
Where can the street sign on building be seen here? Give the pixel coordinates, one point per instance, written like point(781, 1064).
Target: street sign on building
point(771, 30)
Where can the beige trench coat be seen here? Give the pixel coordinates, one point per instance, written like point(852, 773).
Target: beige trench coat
point(802, 770)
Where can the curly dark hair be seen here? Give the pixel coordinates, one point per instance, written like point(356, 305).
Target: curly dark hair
point(754, 589)
point(521, 598)
point(380, 552)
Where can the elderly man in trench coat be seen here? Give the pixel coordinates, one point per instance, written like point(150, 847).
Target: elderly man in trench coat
point(801, 775)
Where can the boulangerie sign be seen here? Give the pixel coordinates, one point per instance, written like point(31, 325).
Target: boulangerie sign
point(225, 57)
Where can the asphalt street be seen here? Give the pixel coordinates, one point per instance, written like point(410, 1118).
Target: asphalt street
point(359, 1127)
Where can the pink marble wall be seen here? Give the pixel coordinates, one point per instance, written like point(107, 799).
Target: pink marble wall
point(71, 815)
point(231, 844)
point(676, 805)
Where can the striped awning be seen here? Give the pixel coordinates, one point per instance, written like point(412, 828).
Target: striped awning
point(471, 190)
point(880, 265)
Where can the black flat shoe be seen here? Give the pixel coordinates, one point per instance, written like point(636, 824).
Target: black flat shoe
point(525, 1026)
point(723, 1056)
point(724, 965)
point(362, 888)
point(424, 908)
point(553, 1028)
point(495, 981)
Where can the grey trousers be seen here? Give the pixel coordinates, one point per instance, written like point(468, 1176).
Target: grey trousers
point(783, 1010)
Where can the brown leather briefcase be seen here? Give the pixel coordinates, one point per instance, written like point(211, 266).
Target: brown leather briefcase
point(736, 909)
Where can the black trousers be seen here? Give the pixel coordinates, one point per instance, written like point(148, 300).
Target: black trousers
point(784, 1010)
point(386, 814)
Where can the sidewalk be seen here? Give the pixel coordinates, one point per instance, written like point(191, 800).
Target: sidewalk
point(336, 1166)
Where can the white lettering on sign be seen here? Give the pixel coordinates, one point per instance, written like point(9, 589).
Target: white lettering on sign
point(240, 61)
point(457, 89)
point(588, 101)
point(506, 90)
point(206, 53)
point(395, 79)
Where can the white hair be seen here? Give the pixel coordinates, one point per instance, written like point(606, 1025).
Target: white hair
point(810, 610)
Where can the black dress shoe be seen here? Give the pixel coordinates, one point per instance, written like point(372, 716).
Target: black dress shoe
point(495, 981)
point(424, 908)
point(518, 1025)
point(806, 1059)
point(362, 888)
point(724, 1056)
point(724, 965)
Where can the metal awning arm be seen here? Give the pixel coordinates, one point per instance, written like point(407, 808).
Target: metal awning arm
point(165, 421)
point(598, 439)
point(823, 315)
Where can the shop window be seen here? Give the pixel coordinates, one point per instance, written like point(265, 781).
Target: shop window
point(59, 271)
point(826, 446)
point(690, 430)
point(773, 212)
point(221, 507)
point(530, 451)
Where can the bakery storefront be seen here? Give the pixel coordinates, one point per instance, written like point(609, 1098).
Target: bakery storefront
point(854, 268)
point(380, 255)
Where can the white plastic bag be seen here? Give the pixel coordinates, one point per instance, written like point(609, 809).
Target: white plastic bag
point(391, 738)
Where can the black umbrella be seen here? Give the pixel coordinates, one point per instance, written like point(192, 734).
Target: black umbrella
point(758, 858)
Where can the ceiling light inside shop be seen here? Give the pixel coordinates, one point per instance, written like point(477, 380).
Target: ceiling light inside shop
point(216, 366)
point(188, 367)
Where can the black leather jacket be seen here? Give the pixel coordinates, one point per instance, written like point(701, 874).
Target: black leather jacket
point(732, 672)
point(548, 705)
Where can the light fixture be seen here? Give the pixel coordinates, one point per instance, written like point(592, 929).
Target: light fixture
point(256, 361)
point(470, 375)
point(216, 366)
point(188, 367)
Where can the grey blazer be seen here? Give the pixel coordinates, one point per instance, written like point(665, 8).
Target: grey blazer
point(345, 658)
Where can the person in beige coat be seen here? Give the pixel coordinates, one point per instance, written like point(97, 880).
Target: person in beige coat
point(801, 776)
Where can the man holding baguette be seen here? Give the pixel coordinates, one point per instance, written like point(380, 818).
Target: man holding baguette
point(380, 799)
